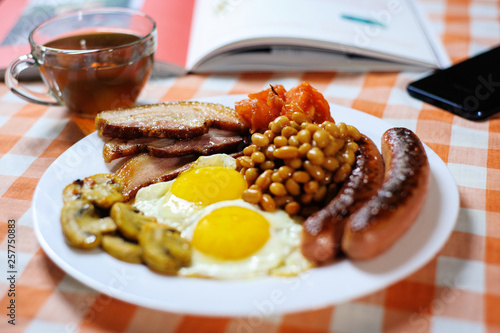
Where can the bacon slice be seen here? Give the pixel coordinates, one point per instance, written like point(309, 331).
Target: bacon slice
point(143, 170)
point(179, 120)
point(215, 141)
point(117, 148)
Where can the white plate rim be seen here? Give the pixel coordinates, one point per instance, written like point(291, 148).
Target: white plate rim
point(314, 289)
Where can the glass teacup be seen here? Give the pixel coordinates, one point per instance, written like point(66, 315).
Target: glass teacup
point(90, 60)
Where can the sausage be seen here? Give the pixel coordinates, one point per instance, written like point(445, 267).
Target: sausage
point(322, 231)
point(385, 218)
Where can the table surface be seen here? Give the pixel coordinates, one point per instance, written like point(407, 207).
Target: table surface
point(458, 290)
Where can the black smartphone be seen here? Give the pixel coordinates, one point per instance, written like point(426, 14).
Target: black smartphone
point(470, 89)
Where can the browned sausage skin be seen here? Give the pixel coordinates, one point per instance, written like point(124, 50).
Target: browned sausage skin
point(323, 230)
point(386, 217)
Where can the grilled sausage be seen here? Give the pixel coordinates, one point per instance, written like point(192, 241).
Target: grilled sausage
point(385, 218)
point(323, 230)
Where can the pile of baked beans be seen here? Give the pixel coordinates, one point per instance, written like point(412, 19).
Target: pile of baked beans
point(297, 165)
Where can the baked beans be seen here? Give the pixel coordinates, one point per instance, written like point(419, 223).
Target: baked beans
point(297, 165)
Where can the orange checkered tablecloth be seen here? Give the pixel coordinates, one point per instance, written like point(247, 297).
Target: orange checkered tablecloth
point(48, 300)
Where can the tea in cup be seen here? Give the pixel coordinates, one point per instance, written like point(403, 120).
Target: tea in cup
point(90, 60)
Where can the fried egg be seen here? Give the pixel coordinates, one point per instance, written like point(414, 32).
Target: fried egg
point(209, 180)
point(230, 238)
point(235, 239)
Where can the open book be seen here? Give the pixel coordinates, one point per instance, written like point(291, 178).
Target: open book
point(266, 35)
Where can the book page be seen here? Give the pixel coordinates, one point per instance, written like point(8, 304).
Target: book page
point(373, 28)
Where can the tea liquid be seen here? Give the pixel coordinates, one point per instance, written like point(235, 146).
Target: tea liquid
point(100, 80)
point(103, 40)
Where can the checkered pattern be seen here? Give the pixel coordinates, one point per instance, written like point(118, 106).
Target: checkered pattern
point(457, 291)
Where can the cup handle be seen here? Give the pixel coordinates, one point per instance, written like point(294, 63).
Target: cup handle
point(11, 79)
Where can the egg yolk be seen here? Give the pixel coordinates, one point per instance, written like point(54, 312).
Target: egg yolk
point(231, 233)
point(208, 185)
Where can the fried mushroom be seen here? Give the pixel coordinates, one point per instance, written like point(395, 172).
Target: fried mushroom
point(129, 219)
point(102, 189)
point(82, 226)
point(122, 249)
point(164, 250)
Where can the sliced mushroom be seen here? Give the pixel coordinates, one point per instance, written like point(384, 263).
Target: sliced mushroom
point(164, 250)
point(98, 226)
point(102, 189)
point(73, 191)
point(129, 219)
point(121, 249)
point(82, 226)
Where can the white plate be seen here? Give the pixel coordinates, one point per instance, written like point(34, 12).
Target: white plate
point(318, 287)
